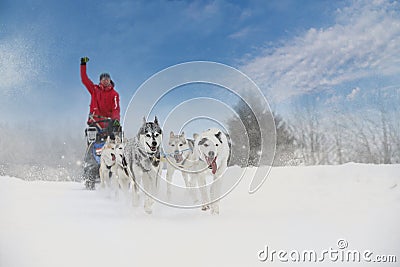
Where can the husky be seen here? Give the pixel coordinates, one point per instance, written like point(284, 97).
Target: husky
point(142, 160)
point(213, 148)
point(107, 163)
point(180, 157)
point(122, 179)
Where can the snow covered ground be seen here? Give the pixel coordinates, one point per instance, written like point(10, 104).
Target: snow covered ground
point(48, 224)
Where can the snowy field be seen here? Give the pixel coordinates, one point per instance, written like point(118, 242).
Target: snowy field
point(49, 224)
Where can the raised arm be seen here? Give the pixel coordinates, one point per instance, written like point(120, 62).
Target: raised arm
point(85, 79)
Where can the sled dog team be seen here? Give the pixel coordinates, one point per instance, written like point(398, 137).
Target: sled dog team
point(132, 162)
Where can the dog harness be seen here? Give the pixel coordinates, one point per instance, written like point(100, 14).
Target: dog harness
point(154, 158)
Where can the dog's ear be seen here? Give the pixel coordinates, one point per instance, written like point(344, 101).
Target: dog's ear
point(171, 134)
point(218, 135)
point(144, 120)
point(155, 120)
point(117, 140)
point(183, 134)
point(202, 141)
point(195, 135)
point(108, 140)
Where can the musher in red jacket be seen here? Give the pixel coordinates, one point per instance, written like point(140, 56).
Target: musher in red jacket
point(104, 99)
point(104, 115)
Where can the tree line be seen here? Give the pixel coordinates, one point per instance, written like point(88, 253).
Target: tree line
point(314, 136)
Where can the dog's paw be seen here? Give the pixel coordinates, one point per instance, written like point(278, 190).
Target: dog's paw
point(205, 207)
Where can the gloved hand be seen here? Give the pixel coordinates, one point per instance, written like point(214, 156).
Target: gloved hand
point(84, 60)
point(116, 123)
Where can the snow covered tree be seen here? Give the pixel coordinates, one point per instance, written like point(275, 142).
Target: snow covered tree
point(311, 139)
point(285, 143)
point(248, 145)
point(246, 142)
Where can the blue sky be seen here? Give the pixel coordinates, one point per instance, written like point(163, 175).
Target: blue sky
point(332, 51)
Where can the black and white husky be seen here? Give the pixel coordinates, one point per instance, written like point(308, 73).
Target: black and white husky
point(213, 148)
point(122, 178)
point(107, 163)
point(142, 160)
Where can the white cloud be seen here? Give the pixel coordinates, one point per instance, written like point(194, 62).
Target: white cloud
point(199, 12)
point(333, 100)
point(363, 42)
point(240, 34)
point(353, 94)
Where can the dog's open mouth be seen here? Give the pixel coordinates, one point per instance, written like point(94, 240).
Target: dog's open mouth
point(212, 163)
point(112, 157)
point(178, 157)
point(152, 148)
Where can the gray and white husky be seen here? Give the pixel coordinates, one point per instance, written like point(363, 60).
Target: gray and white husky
point(180, 157)
point(142, 159)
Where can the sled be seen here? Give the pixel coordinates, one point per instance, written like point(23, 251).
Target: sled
point(96, 137)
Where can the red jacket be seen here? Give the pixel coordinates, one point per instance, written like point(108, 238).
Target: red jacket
point(104, 102)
